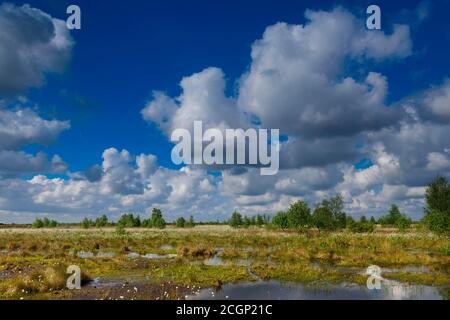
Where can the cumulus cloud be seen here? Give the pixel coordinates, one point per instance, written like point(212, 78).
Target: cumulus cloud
point(32, 43)
point(21, 127)
point(24, 126)
point(299, 81)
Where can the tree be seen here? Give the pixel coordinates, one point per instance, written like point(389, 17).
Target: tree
point(101, 221)
point(38, 223)
point(437, 196)
point(403, 222)
point(438, 222)
point(53, 224)
point(157, 220)
point(246, 222)
point(46, 222)
point(280, 220)
point(361, 227)
point(437, 209)
point(363, 219)
point(298, 214)
point(259, 220)
point(180, 223)
point(372, 220)
point(235, 220)
point(191, 222)
point(86, 223)
point(392, 217)
point(323, 218)
point(335, 206)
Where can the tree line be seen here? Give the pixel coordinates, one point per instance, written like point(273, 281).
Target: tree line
point(329, 214)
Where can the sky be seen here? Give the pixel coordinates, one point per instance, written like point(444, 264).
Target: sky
point(86, 115)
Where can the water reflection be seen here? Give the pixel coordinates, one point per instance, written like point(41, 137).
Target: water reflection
point(267, 290)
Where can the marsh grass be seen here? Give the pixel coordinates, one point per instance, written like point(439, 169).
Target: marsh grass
point(35, 258)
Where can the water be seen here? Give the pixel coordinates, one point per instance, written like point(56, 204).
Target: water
point(134, 255)
point(268, 290)
point(88, 254)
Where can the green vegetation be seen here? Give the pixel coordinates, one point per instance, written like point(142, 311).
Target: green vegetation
point(180, 223)
point(45, 223)
point(437, 209)
point(312, 257)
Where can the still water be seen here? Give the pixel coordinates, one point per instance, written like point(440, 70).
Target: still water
point(265, 290)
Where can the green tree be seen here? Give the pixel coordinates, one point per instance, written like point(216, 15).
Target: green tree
point(438, 222)
point(280, 220)
point(46, 222)
point(86, 223)
point(101, 221)
point(191, 222)
point(259, 220)
point(38, 223)
point(323, 218)
point(335, 206)
point(437, 208)
point(363, 219)
point(235, 220)
point(246, 222)
point(180, 223)
point(403, 222)
point(392, 217)
point(372, 220)
point(53, 224)
point(157, 220)
point(298, 214)
point(437, 196)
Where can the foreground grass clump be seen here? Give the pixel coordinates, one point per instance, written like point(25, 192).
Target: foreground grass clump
point(37, 281)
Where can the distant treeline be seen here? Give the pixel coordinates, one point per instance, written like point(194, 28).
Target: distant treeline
point(327, 215)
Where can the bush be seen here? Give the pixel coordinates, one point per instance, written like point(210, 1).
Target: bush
point(38, 223)
point(129, 221)
point(438, 222)
point(180, 223)
point(437, 209)
point(157, 220)
point(280, 220)
point(323, 218)
point(86, 223)
point(191, 222)
point(298, 215)
point(235, 220)
point(101, 221)
point(361, 227)
point(403, 223)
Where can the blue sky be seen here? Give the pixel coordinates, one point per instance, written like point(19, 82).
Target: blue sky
point(127, 50)
point(123, 52)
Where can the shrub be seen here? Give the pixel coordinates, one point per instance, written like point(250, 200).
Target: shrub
point(38, 223)
point(438, 222)
point(191, 222)
point(437, 209)
point(180, 223)
point(403, 223)
point(323, 218)
point(101, 221)
point(298, 214)
point(86, 223)
point(157, 220)
point(280, 220)
point(235, 220)
point(361, 227)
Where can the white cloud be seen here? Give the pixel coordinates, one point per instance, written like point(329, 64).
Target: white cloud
point(32, 43)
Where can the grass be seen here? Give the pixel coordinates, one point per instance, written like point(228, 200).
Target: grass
point(35, 260)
